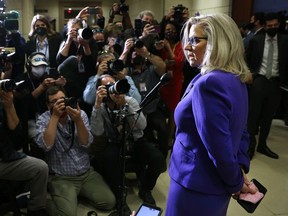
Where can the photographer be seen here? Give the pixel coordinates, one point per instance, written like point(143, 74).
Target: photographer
point(146, 69)
point(121, 9)
point(42, 38)
point(30, 95)
point(63, 132)
point(77, 59)
point(178, 14)
point(16, 166)
point(104, 122)
point(107, 64)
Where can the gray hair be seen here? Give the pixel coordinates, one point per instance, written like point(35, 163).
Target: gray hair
point(225, 48)
point(146, 12)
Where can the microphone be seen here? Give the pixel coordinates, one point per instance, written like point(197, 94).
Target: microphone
point(164, 79)
point(68, 66)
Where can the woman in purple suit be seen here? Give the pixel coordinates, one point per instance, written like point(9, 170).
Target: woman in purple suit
point(209, 158)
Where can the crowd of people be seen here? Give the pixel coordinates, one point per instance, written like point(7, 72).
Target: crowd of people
point(94, 89)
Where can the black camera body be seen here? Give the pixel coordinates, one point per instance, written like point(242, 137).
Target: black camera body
point(138, 43)
point(71, 101)
point(7, 85)
point(123, 7)
point(115, 66)
point(178, 13)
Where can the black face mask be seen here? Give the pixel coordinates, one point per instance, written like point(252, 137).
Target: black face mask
point(272, 31)
point(251, 26)
point(41, 31)
point(100, 45)
point(170, 36)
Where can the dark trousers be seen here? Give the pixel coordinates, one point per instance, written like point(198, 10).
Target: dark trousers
point(264, 99)
point(156, 121)
point(146, 157)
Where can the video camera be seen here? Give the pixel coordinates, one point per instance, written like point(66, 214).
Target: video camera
point(9, 21)
point(115, 66)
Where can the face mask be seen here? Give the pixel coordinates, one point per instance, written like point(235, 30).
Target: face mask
point(170, 36)
point(100, 45)
point(39, 71)
point(272, 31)
point(41, 31)
point(251, 26)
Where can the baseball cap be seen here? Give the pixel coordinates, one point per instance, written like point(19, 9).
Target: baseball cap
point(37, 59)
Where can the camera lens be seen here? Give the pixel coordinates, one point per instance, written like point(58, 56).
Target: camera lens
point(7, 85)
point(115, 66)
point(138, 44)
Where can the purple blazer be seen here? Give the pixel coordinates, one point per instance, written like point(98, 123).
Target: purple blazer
point(211, 141)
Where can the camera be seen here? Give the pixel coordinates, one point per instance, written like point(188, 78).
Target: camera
point(115, 66)
point(120, 87)
point(138, 43)
point(123, 7)
point(71, 101)
point(178, 13)
point(92, 10)
point(85, 33)
point(7, 85)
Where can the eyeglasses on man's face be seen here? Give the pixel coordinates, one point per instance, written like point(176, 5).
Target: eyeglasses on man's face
point(193, 41)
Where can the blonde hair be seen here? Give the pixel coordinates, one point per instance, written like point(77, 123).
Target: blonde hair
point(225, 48)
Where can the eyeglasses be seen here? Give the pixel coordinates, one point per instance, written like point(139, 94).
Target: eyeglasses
point(193, 41)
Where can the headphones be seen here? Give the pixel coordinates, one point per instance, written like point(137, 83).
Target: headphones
point(28, 62)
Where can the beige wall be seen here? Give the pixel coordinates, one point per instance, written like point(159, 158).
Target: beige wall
point(159, 7)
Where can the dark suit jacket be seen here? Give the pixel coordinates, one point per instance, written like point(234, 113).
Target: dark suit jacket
point(255, 52)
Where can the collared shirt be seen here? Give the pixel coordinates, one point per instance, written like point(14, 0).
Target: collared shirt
point(89, 94)
point(275, 70)
point(43, 47)
point(102, 121)
point(65, 158)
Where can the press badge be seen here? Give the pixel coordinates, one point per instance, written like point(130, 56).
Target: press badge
point(142, 87)
point(81, 68)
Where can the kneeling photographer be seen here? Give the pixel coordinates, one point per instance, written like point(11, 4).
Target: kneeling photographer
point(63, 132)
point(106, 121)
point(108, 64)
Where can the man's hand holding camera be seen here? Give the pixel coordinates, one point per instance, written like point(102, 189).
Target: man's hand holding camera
point(101, 93)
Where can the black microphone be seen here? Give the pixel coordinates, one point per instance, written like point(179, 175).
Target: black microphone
point(164, 79)
point(68, 66)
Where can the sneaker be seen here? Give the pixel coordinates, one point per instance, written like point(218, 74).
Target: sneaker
point(147, 197)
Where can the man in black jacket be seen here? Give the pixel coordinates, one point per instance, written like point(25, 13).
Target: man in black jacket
point(267, 60)
point(15, 165)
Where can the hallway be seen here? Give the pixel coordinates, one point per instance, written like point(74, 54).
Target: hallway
point(273, 174)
